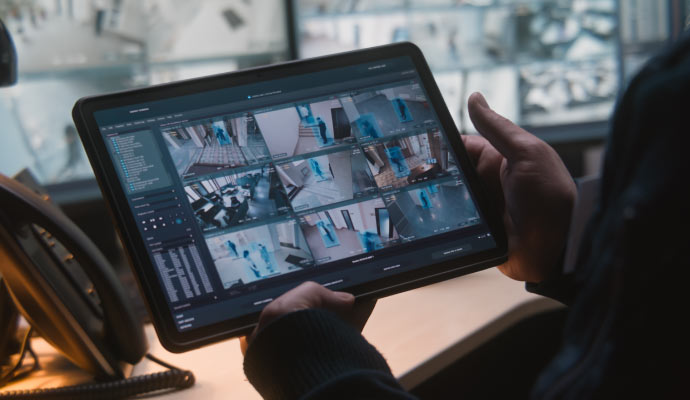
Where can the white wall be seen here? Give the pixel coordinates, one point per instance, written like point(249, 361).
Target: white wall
point(341, 165)
point(292, 172)
point(274, 235)
point(350, 109)
point(280, 129)
point(368, 214)
point(239, 126)
point(287, 175)
point(362, 214)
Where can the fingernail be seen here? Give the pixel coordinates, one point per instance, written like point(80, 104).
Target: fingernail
point(481, 100)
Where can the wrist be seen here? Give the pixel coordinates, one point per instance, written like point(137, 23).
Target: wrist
point(300, 350)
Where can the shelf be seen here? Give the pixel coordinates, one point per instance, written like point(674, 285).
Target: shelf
point(139, 66)
point(435, 8)
point(400, 10)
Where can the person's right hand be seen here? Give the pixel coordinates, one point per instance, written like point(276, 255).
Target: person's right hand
point(532, 185)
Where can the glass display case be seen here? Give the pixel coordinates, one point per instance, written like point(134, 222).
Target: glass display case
point(549, 65)
point(68, 49)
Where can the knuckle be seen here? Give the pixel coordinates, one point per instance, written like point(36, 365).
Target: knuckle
point(274, 306)
point(311, 286)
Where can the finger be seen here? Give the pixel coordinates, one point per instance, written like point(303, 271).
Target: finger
point(487, 160)
point(313, 295)
point(508, 138)
point(244, 343)
point(337, 300)
point(474, 146)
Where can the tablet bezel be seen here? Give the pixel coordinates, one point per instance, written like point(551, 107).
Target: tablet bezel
point(170, 337)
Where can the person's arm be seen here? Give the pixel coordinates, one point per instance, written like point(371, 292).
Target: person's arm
point(561, 285)
point(303, 348)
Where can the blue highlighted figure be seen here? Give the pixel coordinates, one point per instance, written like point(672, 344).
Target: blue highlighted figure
point(324, 137)
point(433, 188)
point(322, 130)
point(370, 241)
point(253, 268)
point(368, 126)
point(232, 248)
point(221, 133)
point(266, 257)
point(327, 233)
point(316, 168)
point(322, 133)
point(401, 110)
point(424, 199)
point(260, 262)
point(397, 161)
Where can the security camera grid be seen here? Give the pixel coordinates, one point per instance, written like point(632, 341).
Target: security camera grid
point(326, 179)
point(225, 201)
point(408, 160)
point(319, 166)
point(260, 252)
point(301, 128)
point(348, 230)
point(429, 209)
point(215, 144)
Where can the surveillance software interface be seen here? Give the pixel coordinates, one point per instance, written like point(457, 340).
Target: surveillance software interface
point(341, 177)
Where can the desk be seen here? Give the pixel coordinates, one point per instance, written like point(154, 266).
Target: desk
point(419, 332)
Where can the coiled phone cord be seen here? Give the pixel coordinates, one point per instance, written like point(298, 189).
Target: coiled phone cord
point(173, 379)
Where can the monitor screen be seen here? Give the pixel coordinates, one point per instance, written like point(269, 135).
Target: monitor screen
point(341, 176)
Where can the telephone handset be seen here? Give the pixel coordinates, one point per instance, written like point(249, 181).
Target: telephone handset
point(64, 286)
point(8, 325)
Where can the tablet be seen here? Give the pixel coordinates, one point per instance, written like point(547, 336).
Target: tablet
point(229, 190)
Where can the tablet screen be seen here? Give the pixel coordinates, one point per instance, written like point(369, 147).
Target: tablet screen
point(341, 176)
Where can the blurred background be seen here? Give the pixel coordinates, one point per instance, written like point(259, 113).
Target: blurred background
point(553, 66)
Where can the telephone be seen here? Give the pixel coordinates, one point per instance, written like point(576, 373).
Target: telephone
point(8, 319)
point(57, 279)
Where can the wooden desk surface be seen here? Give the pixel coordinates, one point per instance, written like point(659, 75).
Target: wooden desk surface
point(419, 332)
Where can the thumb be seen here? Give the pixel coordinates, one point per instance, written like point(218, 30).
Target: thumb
point(313, 295)
point(508, 138)
point(338, 302)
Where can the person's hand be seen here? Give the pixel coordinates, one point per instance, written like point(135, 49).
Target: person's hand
point(532, 186)
point(313, 295)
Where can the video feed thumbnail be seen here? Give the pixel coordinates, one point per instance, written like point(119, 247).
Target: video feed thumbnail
point(203, 147)
point(305, 127)
point(260, 252)
point(349, 230)
point(409, 160)
point(388, 111)
point(326, 179)
point(230, 200)
point(431, 209)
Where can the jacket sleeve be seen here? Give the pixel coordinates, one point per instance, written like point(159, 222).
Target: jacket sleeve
point(562, 285)
point(313, 354)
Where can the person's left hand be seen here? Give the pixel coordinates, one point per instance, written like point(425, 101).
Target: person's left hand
point(313, 295)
